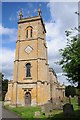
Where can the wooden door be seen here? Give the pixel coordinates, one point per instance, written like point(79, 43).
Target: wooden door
point(27, 99)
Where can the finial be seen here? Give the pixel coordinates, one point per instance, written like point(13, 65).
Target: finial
point(39, 11)
point(20, 15)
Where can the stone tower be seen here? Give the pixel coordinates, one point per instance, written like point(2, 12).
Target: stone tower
point(30, 85)
point(34, 83)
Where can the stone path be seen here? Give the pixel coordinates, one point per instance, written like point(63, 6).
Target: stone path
point(8, 115)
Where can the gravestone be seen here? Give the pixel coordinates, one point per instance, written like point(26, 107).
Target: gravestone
point(68, 109)
point(37, 114)
point(43, 109)
point(46, 108)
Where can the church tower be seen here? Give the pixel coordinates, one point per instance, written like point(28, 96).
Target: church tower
point(34, 83)
point(30, 85)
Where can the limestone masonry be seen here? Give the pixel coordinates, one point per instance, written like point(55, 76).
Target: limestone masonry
point(34, 83)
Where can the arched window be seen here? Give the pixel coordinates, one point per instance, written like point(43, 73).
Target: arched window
point(29, 32)
point(28, 67)
point(26, 33)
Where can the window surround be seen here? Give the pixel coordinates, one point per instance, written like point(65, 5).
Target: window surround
point(28, 70)
point(29, 32)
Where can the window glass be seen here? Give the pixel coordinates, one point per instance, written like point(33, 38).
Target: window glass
point(28, 67)
point(26, 33)
point(31, 33)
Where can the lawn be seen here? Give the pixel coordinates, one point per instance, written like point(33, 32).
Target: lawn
point(27, 113)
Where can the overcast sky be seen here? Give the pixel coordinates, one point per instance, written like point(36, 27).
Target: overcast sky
point(58, 17)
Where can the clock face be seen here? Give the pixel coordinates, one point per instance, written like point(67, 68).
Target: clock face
point(28, 49)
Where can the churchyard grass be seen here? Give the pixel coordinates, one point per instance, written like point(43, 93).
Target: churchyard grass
point(27, 113)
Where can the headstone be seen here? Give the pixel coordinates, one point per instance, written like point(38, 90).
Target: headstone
point(43, 109)
point(47, 107)
point(68, 109)
point(37, 114)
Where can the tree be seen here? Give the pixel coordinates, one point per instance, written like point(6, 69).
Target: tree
point(3, 86)
point(70, 91)
point(1, 78)
point(70, 61)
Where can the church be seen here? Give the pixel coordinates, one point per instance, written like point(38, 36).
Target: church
point(34, 83)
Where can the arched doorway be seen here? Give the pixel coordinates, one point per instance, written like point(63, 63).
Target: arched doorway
point(27, 99)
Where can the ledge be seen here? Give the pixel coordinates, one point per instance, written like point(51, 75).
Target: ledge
point(27, 78)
